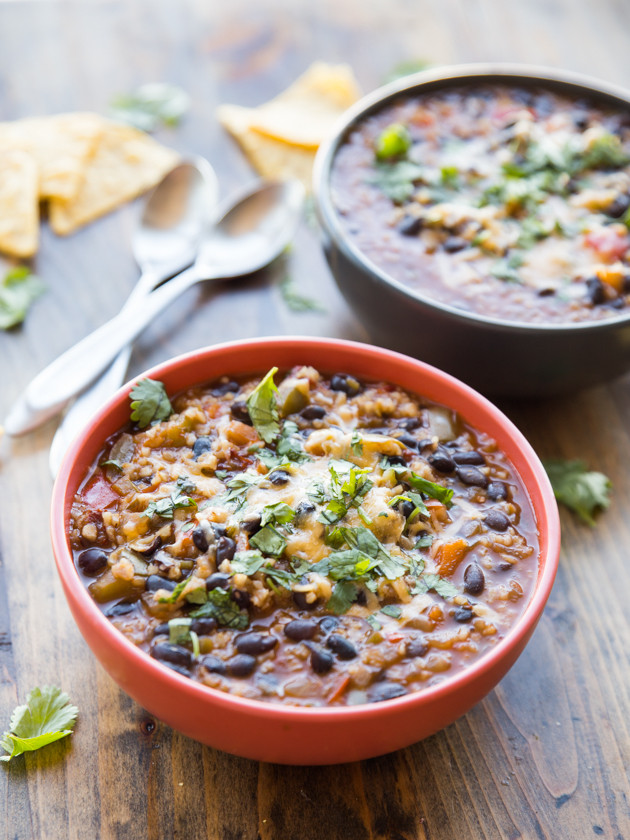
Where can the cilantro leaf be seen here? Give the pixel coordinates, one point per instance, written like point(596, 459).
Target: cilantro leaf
point(443, 587)
point(433, 490)
point(392, 610)
point(343, 596)
point(238, 487)
point(179, 630)
point(356, 443)
point(167, 506)
point(263, 407)
point(149, 403)
point(172, 596)
point(47, 716)
point(397, 179)
point(269, 541)
point(295, 301)
point(277, 514)
point(289, 444)
point(578, 488)
point(150, 105)
point(365, 541)
point(247, 562)
point(221, 607)
point(415, 499)
point(18, 290)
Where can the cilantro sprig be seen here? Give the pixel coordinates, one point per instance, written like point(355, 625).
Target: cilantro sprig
point(18, 289)
point(578, 488)
point(223, 609)
point(262, 406)
point(179, 498)
point(47, 716)
point(149, 403)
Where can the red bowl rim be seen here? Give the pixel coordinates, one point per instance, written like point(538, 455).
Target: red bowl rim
point(537, 487)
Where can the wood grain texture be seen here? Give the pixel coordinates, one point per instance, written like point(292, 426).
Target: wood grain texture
point(546, 755)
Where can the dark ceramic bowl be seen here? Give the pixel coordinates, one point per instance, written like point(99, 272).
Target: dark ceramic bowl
point(292, 734)
point(499, 357)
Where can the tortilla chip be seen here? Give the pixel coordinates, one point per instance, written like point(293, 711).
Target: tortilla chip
point(125, 163)
point(60, 146)
point(281, 137)
point(19, 205)
point(306, 112)
point(270, 158)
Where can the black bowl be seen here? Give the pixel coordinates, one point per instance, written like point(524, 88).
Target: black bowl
point(496, 356)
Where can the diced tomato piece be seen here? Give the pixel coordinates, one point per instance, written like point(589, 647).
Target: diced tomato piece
point(100, 494)
point(608, 242)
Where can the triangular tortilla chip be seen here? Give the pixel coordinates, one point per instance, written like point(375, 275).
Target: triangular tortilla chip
point(125, 163)
point(60, 146)
point(306, 112)
point(19, 205)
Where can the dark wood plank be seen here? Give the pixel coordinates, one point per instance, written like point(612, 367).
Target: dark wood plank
point(546, 755)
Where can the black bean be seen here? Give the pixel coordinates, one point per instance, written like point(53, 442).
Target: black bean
point(241, 597)
point(226, 548)
point(409, 423)
point(300, 629)
point(360, 598)
point(595, 291)
point(302, 603)
point(474, 579)
point(617, 303)
point(416, 647)
point(162, 629)
point(239, 411)
point(341, 646)
point(545, 292)
point(180, 669)
point(454, 244)
point(175, 654)
point(471, 475)
point(313, 412)
point(328, 623)
point(92, 561)
point(203, 626)
point(503, 566)
point(321, 660)
point(396, 460)
point(200, 539)
point(408, 441)
point(241, 665)
point(218, 579)
point(219, 530)
point(469, 457)
point(497, 491)
point(255, 643)
point(213, 664)
point(121, 608)
point(619, 206)
point(406, 508)
point(410, 225)
point(251, 524)
point(463, 613)
point(442, 462)
point(303, 509)
point(385, 691)
point(279, 477)
point(497, 520)
point(230, 387)
point(155, 582)
point(201, 445)
point(345, 383)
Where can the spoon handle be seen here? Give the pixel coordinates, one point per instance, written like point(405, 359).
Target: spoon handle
point(75, 369)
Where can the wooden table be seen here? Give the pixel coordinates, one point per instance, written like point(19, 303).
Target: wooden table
point(546, 754)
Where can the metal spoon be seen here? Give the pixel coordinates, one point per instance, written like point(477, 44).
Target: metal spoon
point(249, 235)
point(175, 218)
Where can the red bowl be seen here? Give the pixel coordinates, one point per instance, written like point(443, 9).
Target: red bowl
point(285, 734)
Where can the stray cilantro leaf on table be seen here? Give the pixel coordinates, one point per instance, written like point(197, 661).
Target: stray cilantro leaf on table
point(18, 289)
point(295, 301)
point(149, 403)
point(581, 490)
point(47, 716)
point(150, 106)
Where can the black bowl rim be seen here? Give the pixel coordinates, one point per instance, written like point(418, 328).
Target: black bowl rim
point(569, 82)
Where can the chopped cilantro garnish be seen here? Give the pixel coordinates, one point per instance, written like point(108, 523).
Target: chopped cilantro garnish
point(277, 514)
point(269, 541)
point(47, 716)
point(238, 487)
point(393, 142)
point(443, 587)
point(397, 179)
point(355, 443)
point(344, 594)
point(247, 562)
point(433, 490)
point(424, 541)
point(374, 622)
point(415, 499)
point(263, 408)
point(172, 597)
point(179, 630)
point(581, 490)
point(289, 444)
point(149, 403)
point(178, 499)
point(18, 289)
point(295, 301)
point(221, 607)
point(365, 541)
point(392, 610)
